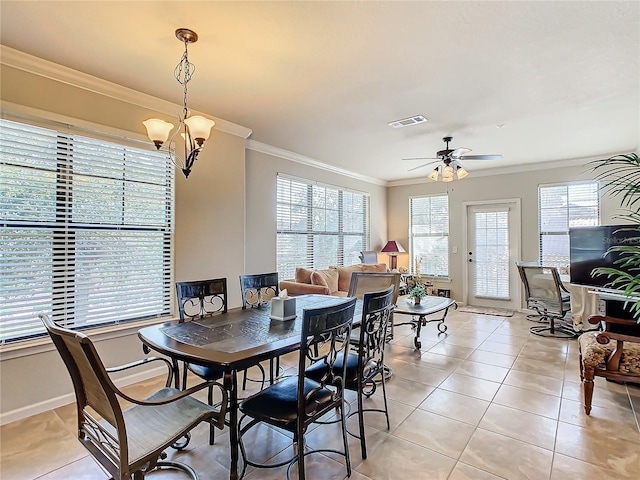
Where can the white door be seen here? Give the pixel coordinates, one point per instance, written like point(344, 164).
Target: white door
point(493, 247)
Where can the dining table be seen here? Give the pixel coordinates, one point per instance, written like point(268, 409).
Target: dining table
point(233, 341)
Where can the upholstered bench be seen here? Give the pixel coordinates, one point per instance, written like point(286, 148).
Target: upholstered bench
point(613, 353)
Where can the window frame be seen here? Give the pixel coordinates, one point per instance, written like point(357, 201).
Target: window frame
point(563, 261)
point(311, 258)
point(412, 238)
point(157, 231)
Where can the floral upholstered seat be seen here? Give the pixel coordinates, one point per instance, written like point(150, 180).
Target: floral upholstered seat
point(613, 353)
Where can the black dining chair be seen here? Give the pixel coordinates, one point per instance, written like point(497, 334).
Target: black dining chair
point(257, 290)
point(364, 365)
point(294, 403)
point(200, 299)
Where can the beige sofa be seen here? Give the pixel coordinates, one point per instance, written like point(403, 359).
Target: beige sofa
point(332, 281)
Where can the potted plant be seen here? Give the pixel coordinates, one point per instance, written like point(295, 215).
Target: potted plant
point(417, 293)
point(620, 175)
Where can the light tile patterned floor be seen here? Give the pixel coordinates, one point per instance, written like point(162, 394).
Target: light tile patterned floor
point(486, 401)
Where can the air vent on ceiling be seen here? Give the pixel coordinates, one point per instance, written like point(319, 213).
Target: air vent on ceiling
point(405, 122)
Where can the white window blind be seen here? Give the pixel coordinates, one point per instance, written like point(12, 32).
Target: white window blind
point(562, 207)
point(319, 225)
point(86, 230)
point(429, 234)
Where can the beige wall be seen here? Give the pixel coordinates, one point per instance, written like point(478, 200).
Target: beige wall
point(209, 239)
point(262, 169)
point(523, 186)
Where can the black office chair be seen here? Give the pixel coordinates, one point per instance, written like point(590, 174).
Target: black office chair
point(545, 294)
point(365, 366)
point(294, 403)
point(128, 443)
point(257, 290)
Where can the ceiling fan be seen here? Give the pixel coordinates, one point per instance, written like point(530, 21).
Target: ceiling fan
point(451, 168)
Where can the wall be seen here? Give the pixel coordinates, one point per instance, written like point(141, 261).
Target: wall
point(523, 185)
point(262, 169)
point(209, 239)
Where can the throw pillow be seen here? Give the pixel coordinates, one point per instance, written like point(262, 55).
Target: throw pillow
point(303, 275)
point(326, 278)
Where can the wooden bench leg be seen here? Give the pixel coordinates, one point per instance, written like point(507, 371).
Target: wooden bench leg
point(587, 382)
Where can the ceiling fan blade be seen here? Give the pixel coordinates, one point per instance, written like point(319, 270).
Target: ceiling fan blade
point(420, 166)
point(459, 151)
point(482, 157)
point(421, 158)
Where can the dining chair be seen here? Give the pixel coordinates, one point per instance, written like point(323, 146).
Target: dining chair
point(295, 402)
point(257, 290)
point(545, 294)
point(364, 282)
point(129, 443)
point(200, 299)
point(364, 367)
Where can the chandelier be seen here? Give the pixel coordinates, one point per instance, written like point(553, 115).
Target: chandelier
point(195, 130)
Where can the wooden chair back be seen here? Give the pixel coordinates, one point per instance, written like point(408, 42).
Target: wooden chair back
point(258, 289)
point(201, 298)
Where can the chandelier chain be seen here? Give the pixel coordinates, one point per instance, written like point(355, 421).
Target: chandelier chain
point(183, 72)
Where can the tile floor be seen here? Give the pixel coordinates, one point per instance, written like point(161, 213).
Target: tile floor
point(486, 401)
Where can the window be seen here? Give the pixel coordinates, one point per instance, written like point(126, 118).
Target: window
point(561, 207)
point(429, 234)
point(86, 230)
point(319, 225)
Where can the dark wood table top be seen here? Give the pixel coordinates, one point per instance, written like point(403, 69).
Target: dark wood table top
point(428, 305)
point(235, 339)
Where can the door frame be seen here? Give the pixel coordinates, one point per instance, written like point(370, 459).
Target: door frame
point(518, 247)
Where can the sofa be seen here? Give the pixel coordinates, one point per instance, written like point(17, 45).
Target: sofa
point(331, 281)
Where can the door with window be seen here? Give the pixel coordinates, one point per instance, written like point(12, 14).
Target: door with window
point(492, 249)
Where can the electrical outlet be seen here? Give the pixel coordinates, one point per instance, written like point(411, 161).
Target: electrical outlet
point(454, 249)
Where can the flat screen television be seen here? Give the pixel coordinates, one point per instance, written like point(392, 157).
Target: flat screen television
point(588, 250)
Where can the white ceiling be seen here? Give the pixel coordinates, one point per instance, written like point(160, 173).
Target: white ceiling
point(323, 79)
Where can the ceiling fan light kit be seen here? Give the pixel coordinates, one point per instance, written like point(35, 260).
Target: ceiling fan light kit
point(451, 169)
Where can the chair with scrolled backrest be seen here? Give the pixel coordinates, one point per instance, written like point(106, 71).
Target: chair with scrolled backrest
point(256, 290)
point(128, 443)
point(545, 294)
point(200, 299)
point(294, 403)
point(365, 367)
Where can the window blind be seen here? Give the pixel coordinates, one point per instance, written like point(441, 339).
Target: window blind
point(561, 207)
point(319, 225)
point(86, 230)
point(429, 234)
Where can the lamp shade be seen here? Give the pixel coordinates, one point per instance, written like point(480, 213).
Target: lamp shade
point(433, 175)
point(158, 130)
point(199, 128)
point(461, 172)
point(393, 247)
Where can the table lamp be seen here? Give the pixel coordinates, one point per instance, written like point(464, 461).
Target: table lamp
point(393, 248)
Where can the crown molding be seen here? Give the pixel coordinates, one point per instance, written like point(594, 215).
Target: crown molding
point(256, 146)
point(60, 73)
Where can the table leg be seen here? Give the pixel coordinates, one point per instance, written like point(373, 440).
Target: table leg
point(416, 341)
point(231, 385)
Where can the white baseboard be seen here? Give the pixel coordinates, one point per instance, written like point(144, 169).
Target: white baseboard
point(51, 403)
